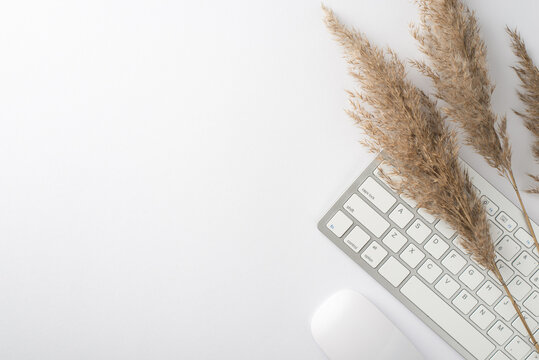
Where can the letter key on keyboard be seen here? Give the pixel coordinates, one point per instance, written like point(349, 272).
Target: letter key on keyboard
point(500, 332)
point(453, 262)
point(489, 293)
point(412, 255)
point(447, 286)
point(418, 231)
point(532, 303)
point(436, 246)
point(401, 216)
point(429, 271)
point(394, 240)
point(482, 317)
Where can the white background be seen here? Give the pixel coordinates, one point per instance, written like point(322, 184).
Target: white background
point(164, 165)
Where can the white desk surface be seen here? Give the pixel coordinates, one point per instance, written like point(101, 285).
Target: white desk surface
point(164, 165)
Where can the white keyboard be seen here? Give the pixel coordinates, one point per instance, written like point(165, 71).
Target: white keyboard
point(419, 260)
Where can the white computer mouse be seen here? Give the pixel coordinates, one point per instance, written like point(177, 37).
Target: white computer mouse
point(349, 327)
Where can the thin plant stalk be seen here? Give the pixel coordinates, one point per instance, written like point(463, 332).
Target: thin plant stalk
point(526, 217)
point(513, 183)
point(517, 308)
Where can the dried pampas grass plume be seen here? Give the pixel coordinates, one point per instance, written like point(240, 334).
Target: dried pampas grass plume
point(448, 34)
point(404, 123)
point(528, 74)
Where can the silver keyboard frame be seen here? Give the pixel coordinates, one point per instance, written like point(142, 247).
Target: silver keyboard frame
point(395, 291)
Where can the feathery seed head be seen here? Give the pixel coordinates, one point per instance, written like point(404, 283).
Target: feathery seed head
point(404, 123)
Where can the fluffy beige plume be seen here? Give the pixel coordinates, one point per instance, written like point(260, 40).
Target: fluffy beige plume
point(528, 74)
point(404, 123)
point(448, 34)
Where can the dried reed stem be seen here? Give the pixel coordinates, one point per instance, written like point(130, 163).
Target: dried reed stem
point(513, 182)
point(517, 308)
point(448, 33)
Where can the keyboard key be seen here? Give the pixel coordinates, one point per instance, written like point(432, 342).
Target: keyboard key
point(481, 267)
point(505, 221)
point(489, 293)
point(489, 205)
point(454, 262)
point(447, 286)
point(534, 355)
point(401, 216)
point(499, 356)
point(366, 215)
point(426, 215)
point(505, 271)
point(532, 303)
point(447, 318)
point(464, 301)
point(525, 263)
point(495, 232)
point(377, 195)
point(505, 309)
point(436, 246)
point(519, 288)
point(471, 277)
point(339, 223)
point(535, 278)
point(374, 254)
point(482, 317)
point(445, 229)
point(394, 240)
point(429, 271)
point(409, 201)
point(517, 347)
point(507, 248)
point(500, 332)
point(458, 243)
point(412, 255)
point(517, 324)
point(394, 271)
point(524, 237)
point(356, 239)
point(418, 231)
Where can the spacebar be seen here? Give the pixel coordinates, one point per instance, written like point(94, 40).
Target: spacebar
point(447, 318)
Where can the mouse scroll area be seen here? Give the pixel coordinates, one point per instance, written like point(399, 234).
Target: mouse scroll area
point(347, 326)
